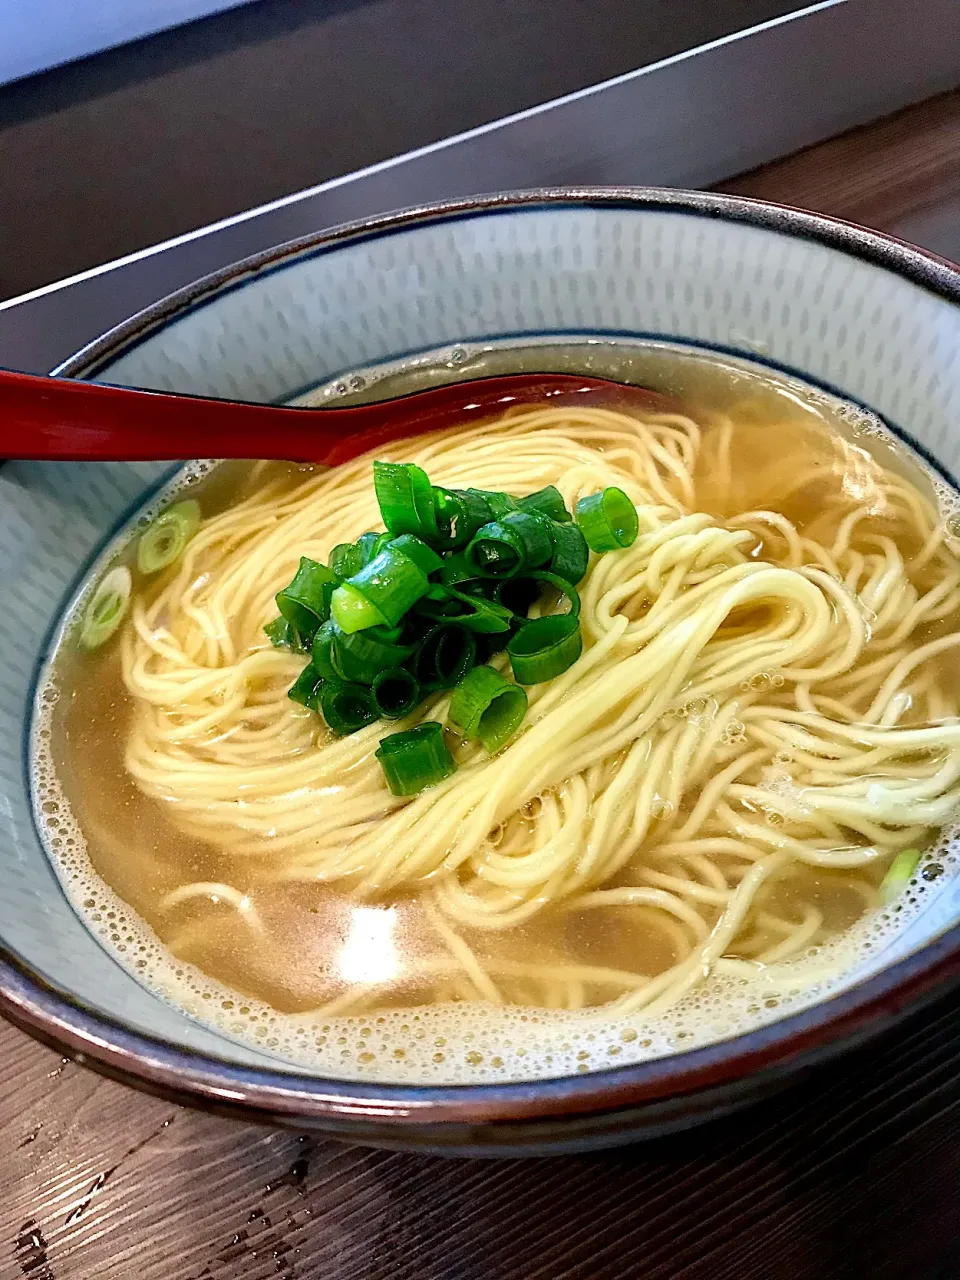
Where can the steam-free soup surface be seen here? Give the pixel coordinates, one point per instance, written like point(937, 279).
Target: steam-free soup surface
point(765, 715)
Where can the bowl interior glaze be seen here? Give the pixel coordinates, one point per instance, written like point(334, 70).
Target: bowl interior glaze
point(858, 314)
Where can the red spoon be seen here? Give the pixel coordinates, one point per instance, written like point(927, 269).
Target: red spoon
point(67, 420)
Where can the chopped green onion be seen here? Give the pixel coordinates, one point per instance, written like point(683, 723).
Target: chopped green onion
point(395, 693)
point(460, 513)
point(323, 651)
point(898, 876)
point(346, 707)
point(478, 588)
point(401, 614)
point(415, 759)
point(546, 502)
point(445, 655)
point(570, 552)
point(486, 706)
point(540, 578)
point(424, 557)
point(361, 655)
point(506, 546)
point(406, 499)
point(545, 648)
point(305, 603)
point(352, 611)
point(455, 569)
point(472, 612)
point(498, 503)
point(164, 540)
point(447, 506)
point(477, 614)
point(437, 603)
point(107, 607)
point(492, 643)
point(306, 689)
point(391, 583)
point(517, 594)
point(282, 635)
point(366, 545)
point(346, 559)
point(608, 519)
point(457, 573)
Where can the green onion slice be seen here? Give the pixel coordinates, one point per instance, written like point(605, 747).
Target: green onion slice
point(437, 603)
point(486, 706)
point(163, 542)
point(504, 547)
point(460, 513)
point(367, 546)
point(457, 573)
point(455, 569)
point(898, 876)
point(360, 655)
point(415, 759)
point(445, 655)
point(346, 707)
point(283, 635)
point(395, 693)
point(534, 582)
point(545, 648)
point(107, 607)
point(546, 502)
point(447, 507)
point(517, 595)
point(570, 552)
point(424, 557)
point(306, 688)
point(498, 503)
point(352, 611)
point(391, 583)
point(323, 654)
point(491, 643)
point(406, 499)
point(608, 520)
point(305, 603)
point(472, 612)
point(346, 559)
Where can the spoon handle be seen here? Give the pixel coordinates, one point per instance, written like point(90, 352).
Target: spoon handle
point(69, 420)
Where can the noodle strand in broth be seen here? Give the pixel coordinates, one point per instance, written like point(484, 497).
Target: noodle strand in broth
point(761, 719)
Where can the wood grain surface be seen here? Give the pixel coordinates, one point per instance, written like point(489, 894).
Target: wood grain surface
point(900, 175)
point(852, 1172)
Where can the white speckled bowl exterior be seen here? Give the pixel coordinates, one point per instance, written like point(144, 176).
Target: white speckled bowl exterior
point(859, 313)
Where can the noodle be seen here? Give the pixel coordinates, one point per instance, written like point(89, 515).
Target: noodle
point(760, 700)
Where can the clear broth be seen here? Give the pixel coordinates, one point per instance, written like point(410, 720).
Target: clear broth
point(318, 941)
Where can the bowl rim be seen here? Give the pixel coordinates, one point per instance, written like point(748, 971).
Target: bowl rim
point(922, 267)
point(802, 1038)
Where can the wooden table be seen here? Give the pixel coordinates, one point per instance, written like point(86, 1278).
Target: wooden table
point(851, 1172)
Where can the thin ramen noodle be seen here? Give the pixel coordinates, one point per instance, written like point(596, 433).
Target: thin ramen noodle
point(763, 717)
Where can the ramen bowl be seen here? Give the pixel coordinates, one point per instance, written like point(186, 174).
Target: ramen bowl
point(552, 280)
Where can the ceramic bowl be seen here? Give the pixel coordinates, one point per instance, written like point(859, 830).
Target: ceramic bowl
point(846, 308)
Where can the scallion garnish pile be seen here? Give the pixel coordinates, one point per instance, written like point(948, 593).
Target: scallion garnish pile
point(400, 615)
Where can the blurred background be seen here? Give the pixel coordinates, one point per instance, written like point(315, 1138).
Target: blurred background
point(142, 142)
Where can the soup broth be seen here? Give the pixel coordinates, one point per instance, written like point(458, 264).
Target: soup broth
point(699, 815)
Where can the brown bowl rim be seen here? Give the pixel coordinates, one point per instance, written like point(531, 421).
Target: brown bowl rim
point(755, 1057)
